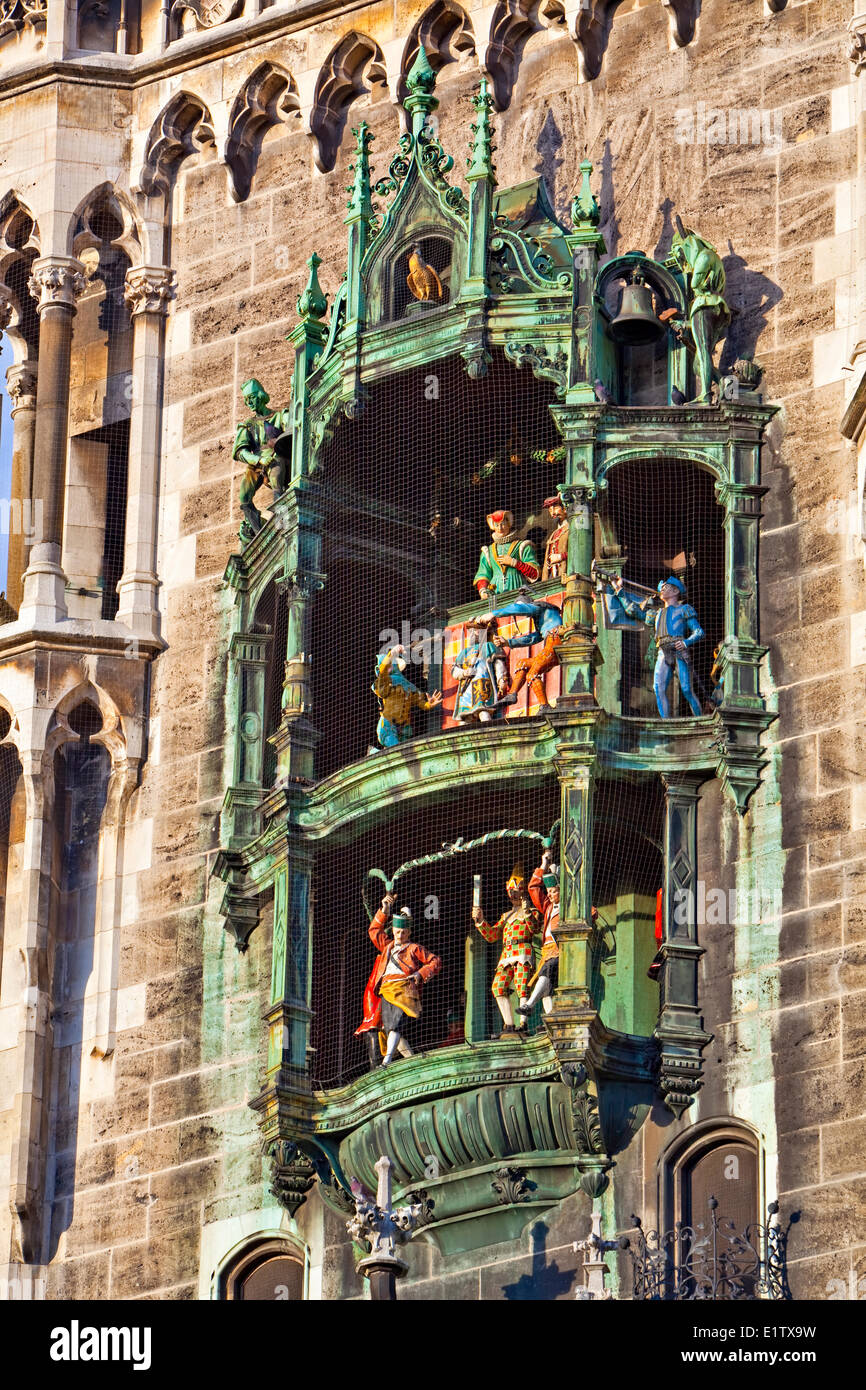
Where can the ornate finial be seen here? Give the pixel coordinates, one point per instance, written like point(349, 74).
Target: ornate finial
point(479, 165)
point(421, 77)
point(359, 203)
point(420, 81)
point(313, 303)
point(584, 207)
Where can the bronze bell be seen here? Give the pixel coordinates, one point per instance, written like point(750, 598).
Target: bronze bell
point(636, 323)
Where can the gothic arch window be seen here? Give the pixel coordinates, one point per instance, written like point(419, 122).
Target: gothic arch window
point(12, 819)
point(720, 1159)
point(272, 619)
point(268, 1271)
point(95, 520)
point(659, 517)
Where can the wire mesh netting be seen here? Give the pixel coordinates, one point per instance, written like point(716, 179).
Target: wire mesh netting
point(409, 490)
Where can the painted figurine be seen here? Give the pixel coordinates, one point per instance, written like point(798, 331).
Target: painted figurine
point(677, 629)
point(422, 279)
point(544, 892)
point(507, 562)
point(515, 928)
point(254, 445)
point(392, 997)
point(481, 670)
point(546, 629)
point(556, 551)
point(397, 698)
point(709, 314)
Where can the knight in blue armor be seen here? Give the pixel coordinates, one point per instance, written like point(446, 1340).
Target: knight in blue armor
point(676, 630)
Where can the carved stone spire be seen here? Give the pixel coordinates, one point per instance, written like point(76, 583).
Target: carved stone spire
point(360, 203)
point(585, 211)
point(479, 165)
point(420, 81)
point(313, 303)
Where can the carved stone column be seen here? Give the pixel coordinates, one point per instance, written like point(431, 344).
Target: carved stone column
point(56, 283)
point(21, 383)
point(29, 1097)
point(147, 292)
point(573, 1009)
point(680, 1029)
point(288, 1015)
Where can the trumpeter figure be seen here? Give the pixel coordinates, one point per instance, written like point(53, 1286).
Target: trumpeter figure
point(676, 628)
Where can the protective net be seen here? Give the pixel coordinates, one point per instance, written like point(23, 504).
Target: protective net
point(408, 491)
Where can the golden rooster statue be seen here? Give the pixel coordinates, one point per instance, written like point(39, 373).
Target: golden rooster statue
point(422, 278)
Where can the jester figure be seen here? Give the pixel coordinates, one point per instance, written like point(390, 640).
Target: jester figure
point(255, 445)
point(397, 698)
point(392, 997)
point(481, 670)
point(546, 629)
point(677, 629)
point(507, 562)
point(544, 892)
point(709, 314)
point(515, 929)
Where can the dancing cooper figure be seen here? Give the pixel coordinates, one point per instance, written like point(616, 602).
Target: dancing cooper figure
point(392, 997)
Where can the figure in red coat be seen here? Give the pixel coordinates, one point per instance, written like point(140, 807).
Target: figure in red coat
point(393, 993)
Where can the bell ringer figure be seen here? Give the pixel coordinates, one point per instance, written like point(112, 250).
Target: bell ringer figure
point(676, 627)
point(392, 997)
point(516, 928)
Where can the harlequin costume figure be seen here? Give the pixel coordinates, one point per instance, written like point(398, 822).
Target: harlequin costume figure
point(544, 892)
point(393, 993)
point(556, 550)
point(507, 562)
point(676, 629)
point(547, 630)
point(397, 698)
point(515, 929)
point(481, 670)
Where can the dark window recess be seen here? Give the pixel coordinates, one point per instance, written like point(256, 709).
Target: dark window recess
point(436, 252)
point(730, 1174)
point(277, 1278)
point(117, 465)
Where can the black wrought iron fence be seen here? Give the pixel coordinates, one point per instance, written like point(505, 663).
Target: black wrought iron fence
point(710, 1260)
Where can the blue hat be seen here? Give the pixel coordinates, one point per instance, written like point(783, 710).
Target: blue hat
point(676, 584)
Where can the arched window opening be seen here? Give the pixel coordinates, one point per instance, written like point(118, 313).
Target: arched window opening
point(434, 253)
point(272, 617)
point(457, 1004)
point(659, 518)
point(271, 1271)
point(12, 816)
point(407, 489)
point(100, 401)
point(82, 768)
point(720, 1165)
